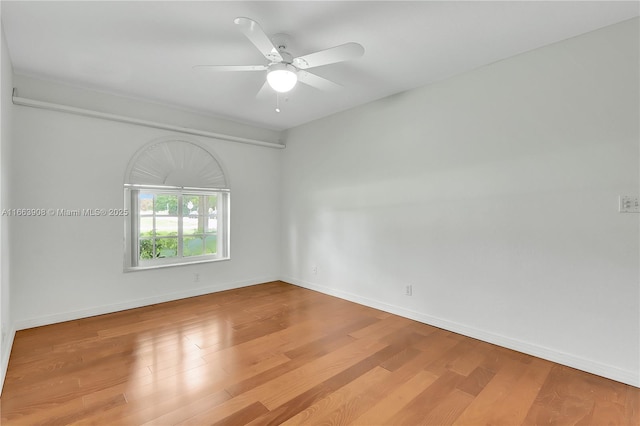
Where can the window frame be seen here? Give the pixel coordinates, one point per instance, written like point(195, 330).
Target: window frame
point(132, 261)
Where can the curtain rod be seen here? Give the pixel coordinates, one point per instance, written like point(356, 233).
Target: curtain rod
point(130, 120)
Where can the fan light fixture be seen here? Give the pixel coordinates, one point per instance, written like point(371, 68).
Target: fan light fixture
point(282, 77)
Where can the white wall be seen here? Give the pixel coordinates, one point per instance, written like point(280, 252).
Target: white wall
point(7, 330)
point(494, 194)
point(70, 267)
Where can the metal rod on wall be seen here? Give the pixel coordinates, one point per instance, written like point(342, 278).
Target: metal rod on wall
point(130, 120)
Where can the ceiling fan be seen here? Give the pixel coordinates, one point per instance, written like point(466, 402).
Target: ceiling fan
point(283, 70)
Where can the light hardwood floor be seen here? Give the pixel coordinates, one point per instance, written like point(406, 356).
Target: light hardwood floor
point(279, 354)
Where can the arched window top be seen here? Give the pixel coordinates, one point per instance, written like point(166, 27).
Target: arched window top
point(177, 197)
point(176, 163)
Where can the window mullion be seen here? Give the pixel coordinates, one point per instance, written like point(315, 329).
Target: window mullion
point(205, 211)
point(220, 230)
point(153, 227)
point(134, 226)
point(204, 216)
point(180, 218)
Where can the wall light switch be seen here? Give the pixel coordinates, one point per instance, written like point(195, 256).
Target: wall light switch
point(629, 204)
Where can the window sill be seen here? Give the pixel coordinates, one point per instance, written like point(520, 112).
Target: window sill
point(172, 265)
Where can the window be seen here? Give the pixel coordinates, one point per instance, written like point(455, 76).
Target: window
point(178, 199)
point(170, 226)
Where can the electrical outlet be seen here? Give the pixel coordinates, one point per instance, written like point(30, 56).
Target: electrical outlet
point(196, 277)
point(314, 270)
point(629, 204)
point(408, 290)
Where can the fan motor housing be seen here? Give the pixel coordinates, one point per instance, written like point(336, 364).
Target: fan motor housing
point(282, 42)
point(286, 57)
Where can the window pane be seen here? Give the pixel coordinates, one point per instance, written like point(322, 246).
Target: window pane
point(190, 205)
point(166, 247)
point(193, 208)
point(212, 213)
point(146, 226)
point(145, 203)
point(211, 244)
point(190, 225)
point(146, 249)
point(166, 226)
point(166, 205)
point(192, 246)
point(212, 224)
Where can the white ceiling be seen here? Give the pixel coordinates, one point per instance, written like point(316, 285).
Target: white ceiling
point(147, 49)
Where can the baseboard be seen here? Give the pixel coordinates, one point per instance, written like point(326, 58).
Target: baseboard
point(4, 356)
point(131, 304)
point(611, 372)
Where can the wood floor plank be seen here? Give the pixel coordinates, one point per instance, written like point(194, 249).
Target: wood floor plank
point(381, 328)
point(632, 406)
point(278, 354)
point(569, 396)
point(284, 388)
point(68, 416)
point(291, 407)
point(243, 416)
point(209, 415)
point(449, 409)
point(428, 400)
point(27, 415)
point(360, 404)
point(52, 366)
point(400, 359)
point(188, 394)
point(40, 396)
point(325, 407)
point(397, 400)
point(319, 328)
point(469, 360)
point(169, 412)
point(514, 407)
point(493, 394)
point(279, 370)
point(476, 381)
point(187, 398)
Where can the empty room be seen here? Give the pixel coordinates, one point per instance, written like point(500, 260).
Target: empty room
point(320, 212)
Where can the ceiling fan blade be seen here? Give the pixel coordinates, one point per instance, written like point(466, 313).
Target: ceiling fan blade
point(257, 36)
point(316, 81)
point(344, 52)
point(230, 67)
point(265, 91)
